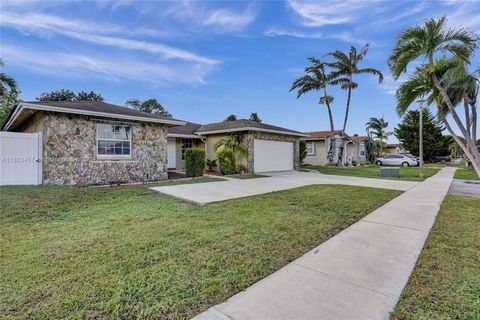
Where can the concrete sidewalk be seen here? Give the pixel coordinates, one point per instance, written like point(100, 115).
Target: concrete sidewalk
point(205, 193)
point(358, 274)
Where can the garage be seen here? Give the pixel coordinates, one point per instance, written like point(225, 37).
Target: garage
point(270, 155)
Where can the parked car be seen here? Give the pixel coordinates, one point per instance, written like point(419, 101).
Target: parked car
point(442, 159)
point(397, 160)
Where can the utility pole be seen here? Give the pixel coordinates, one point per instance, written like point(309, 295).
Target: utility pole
point(421, 138)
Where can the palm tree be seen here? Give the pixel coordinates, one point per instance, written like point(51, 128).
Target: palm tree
point(432, 39)
point(376, 128)
point(315, 79)
point(234, 143)
point(345, 68)
point(7, 83)
point(254, 117)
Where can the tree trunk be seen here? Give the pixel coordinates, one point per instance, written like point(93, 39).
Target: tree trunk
point(474, 155)
point(330, 115)
point(347, 109)
point(476, 166)
point(473, 105)
point(467, 116)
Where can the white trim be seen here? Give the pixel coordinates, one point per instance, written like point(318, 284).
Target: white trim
point(24, 105)
point(253, 129)
point(312, 147)
point(192, 136)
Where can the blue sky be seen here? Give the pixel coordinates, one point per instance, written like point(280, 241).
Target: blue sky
point(206, 60)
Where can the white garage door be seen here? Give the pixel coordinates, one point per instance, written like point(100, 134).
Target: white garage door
point(20, 158)
point(272, 155)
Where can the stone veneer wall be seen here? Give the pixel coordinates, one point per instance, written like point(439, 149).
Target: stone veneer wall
point(70, 157)
point(252, 135)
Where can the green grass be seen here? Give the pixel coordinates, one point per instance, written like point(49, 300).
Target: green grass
point(127, 252)
point(446, 281)
point(466, 174)
point(248, 176)
point(406, 173)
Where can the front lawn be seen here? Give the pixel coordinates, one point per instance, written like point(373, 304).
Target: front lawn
point(406, 173)
point(466, 174)
point(446, 281)
point(127, 252)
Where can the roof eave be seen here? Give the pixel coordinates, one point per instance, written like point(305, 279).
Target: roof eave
point(252, 129)
point(43, 107)
point(178, 135)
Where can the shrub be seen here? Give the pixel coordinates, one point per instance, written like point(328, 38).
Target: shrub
point(194, 162)
point(354, 163)
point(241, 168)
point(303, 151)
point(226, 161)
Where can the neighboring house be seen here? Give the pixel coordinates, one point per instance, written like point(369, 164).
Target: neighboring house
point(394, 148)
point(324, 144)
point(88, 143)
point(269, 148)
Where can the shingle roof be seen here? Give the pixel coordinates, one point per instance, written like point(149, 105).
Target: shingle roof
point(99, 106)
point(358, 138)
point(188, 129)
point(243, 125)
point(322, 134)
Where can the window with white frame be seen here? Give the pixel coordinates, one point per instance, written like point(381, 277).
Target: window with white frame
point(186, 144)
point(114, 140)
point(310, 148)
point(361, 150)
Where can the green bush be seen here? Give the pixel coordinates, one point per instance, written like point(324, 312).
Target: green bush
point(195, 162)
point(226, 161)
point(354, 163)
point(241, 168)
point(303, 151)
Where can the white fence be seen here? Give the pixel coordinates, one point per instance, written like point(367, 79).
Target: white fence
point(20, 158)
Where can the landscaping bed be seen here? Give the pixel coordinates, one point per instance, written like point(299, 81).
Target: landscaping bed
point(373, 171)
point(127, 252)
point(446, 281)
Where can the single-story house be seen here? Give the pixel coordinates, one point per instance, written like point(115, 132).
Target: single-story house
point(324, 147)
point(269, 148)
point(92, 142)
point(394, 148)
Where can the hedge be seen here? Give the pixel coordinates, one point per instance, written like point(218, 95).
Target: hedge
point(226, 161)
point(195, 162)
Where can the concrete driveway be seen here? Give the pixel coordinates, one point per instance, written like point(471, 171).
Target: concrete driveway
point(205, 193)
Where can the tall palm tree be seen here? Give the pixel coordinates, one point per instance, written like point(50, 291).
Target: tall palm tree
point(7, 83)
point(315, 79)
point(421, 86)
point(429, 41)
point(377, 128)
point(345, 67)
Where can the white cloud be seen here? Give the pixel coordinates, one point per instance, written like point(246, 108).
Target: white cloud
point(321, 13)
point(229, 20)
point(48, 25)
point(345, 36)
point(276, 32)
point(78, 64)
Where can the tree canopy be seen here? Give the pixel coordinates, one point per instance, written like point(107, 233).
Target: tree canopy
point(149, 106)
point(231, 117)
point(69, 95)
point(434, 142)
point(254, 117)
